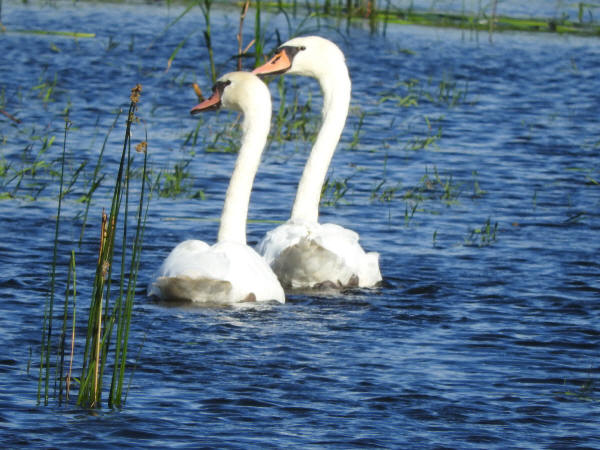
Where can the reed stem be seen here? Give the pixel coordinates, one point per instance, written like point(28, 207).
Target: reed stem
point(49, 310)
point(258, 44)
point(245, 7)
point(205, 6)
point(73, 273)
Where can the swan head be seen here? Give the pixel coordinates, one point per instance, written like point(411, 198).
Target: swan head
point(311, 56)
point(240, 91)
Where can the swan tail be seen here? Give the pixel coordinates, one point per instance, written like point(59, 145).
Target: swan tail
point(308, 264)
point(184, 289)
point(369, 274)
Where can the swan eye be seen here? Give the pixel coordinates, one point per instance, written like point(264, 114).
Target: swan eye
point(291, 51)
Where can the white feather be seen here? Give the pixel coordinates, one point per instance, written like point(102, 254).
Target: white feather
point(302, 252)
point(229, 271)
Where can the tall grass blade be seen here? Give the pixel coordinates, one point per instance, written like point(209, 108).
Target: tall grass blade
point(173, 22)
point(258, 43)
point(125, 317)
point(205, 6)
point(73, 274)
point(98, 340)
point(49, 310)
point(61, 345)
point(96, 180)
point(239, 36)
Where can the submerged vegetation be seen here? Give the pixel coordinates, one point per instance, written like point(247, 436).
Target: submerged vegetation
point(482, 236)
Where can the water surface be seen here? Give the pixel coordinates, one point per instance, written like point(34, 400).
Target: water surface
point(474, 340)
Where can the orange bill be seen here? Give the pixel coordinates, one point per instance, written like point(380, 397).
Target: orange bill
point(209, 104)
point(279, 63)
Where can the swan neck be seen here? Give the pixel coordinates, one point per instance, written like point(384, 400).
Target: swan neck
point(255, 130)
point(336, 90)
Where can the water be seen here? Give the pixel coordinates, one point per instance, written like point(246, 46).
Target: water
point(469, 343)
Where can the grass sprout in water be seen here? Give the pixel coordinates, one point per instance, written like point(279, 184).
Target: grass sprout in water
point(433, 186)
point(412, 92)
point(46, 88)
point(108, 320)
point(427, 139)
point(483, 236)
point(177, 182)
point(333, 191)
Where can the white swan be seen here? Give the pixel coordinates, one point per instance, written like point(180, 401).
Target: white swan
point(302, 252)
point(229, 271)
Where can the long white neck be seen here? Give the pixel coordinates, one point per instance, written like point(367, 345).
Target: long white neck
point(336, 89)
point(235, 210)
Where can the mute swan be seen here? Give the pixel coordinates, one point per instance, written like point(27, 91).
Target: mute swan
point(229, 271)
point(302, 252)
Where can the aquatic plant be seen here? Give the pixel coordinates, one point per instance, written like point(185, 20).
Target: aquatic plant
point(177, 181)
point(334, 190)
point(586, 390)
point(357, 129)
point(46, 88)
point(49, 309)
point(484, 19)
point(430, 138)
point(95, 180)
point(294, 120)
point(106, 320)
point(482, 236)
point(239, 36)
point(258, 38)
point(205, 7)
point(433, 186)
point(477, 191)
point(384, 192)
point(409, 211)
point(411, 92)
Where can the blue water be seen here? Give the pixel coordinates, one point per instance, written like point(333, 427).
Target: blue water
point(474, 339)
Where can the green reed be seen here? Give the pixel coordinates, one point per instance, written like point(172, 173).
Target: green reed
point(294, 120)
point(178, 182)
point(97, 347)
point(484, 19)
point(411, 92)
point(49, 310)
point(482, 236)
point(333, 191)
point(258, 40)
point(205, 7)
point(96, 179)
point(357, 130)
point(432, 186)
point(108, 319)
point(239, 36)
point(71, 281)
point(384, 192)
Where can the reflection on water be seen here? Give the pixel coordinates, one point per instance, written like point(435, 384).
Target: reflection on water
point(474, 340)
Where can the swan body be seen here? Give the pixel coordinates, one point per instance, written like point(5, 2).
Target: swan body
point(302, 252)
point(229, 271)
point(314, 255)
